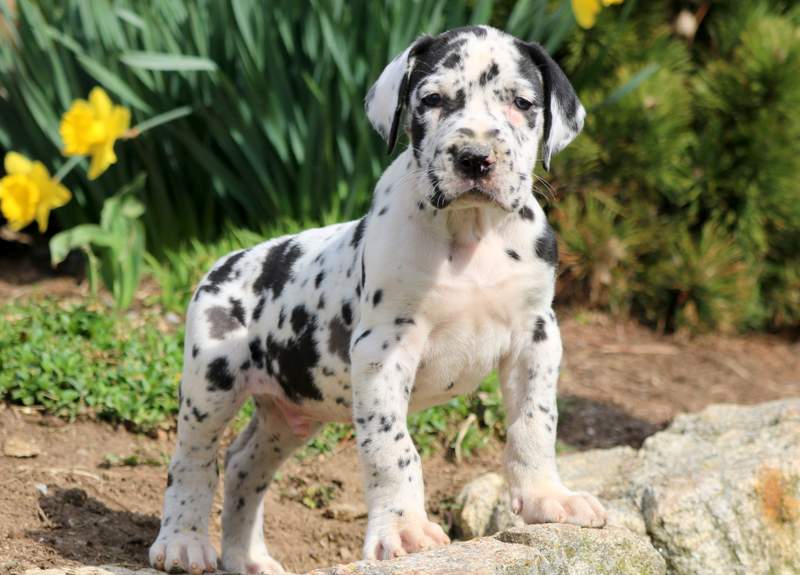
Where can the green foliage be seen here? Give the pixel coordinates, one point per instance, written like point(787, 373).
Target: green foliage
point(118, 241)
point(76, 359)
point(680, 199)
point(276, 130)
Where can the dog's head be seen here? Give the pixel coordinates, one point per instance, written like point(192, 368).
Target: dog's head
point(479, 105)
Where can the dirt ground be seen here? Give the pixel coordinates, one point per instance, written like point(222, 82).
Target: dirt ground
point(76, 503)
point(620, 383)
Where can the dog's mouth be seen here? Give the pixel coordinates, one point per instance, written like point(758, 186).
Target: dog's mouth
point(478, 193)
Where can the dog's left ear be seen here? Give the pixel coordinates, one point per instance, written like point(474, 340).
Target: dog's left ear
point(387, 96)
point(563, 112)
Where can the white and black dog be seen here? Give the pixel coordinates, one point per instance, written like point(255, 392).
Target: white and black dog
point(450, 275)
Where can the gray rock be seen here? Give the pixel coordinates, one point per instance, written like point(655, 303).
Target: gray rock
point(531, 550)
point(484, 506)
point(718, 492)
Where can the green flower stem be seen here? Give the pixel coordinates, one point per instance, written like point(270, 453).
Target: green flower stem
point(67, 168)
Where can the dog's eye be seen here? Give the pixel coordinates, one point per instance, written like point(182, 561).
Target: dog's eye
point(522, 103)
point(432, 100)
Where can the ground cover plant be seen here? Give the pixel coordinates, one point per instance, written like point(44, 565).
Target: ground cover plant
point(86, 360)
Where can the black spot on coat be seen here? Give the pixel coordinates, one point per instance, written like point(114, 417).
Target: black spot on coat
point(277, 270)
point(539, 331)
point(257, 352)
point(296, 358)
point(237, 310)
point(220, 275)
point(526, 213)
point(358, 232)
point(219, 376)
point(547, 246)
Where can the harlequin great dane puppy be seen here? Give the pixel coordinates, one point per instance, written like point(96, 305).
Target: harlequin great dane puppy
point(449, 276)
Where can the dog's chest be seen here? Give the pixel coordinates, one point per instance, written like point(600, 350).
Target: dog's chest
point(479, 299)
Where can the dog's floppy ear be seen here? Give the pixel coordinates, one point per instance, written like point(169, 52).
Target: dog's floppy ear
point(388, 95)
point(563, 112)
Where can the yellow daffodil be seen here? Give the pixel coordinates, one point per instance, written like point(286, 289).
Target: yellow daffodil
point(586, 10)
point(92, 128)
point(27, 192)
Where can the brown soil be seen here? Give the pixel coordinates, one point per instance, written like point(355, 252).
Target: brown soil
point(620, 383)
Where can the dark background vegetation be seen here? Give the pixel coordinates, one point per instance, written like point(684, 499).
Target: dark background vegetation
point(679, 203)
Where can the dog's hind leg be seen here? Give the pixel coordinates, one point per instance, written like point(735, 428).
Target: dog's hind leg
point(211, 392)
point(250, 464)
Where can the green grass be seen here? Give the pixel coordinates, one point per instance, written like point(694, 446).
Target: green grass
point(80, 359)
point(83, 359)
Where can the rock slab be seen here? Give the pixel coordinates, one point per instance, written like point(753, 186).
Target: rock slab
point(718, 492)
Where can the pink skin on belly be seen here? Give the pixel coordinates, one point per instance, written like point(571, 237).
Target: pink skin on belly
point(261, 384)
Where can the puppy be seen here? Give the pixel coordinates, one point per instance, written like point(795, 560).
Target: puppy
point(449, 276)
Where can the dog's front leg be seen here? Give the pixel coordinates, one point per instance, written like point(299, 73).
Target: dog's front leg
point(529, 380)
point(384, 363)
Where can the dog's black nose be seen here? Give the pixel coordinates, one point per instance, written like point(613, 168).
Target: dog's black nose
point(474, 163)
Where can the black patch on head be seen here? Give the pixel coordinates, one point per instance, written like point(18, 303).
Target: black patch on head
point(451, 61)
point(539, 331)
point(555, 86)
point(417, 132)
point(547, 246)
point(220, 275)
point(296, 358)
point(358, 232)
point(437, 199)
point(259, 308)
point(219, 376)
point(276, 270)
point(512, 254)
point(477, 30)
point(376, 299)
point(319, 278)
point(526, 213)
point(237, 310)
point(257, 352)
point(489, 74)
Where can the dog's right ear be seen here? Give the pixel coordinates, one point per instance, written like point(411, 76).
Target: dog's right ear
point(387, 96)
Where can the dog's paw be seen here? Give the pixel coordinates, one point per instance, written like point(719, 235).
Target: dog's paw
point(250, 562)
point(558, 505)
point(189, 552)
point(400, 534)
